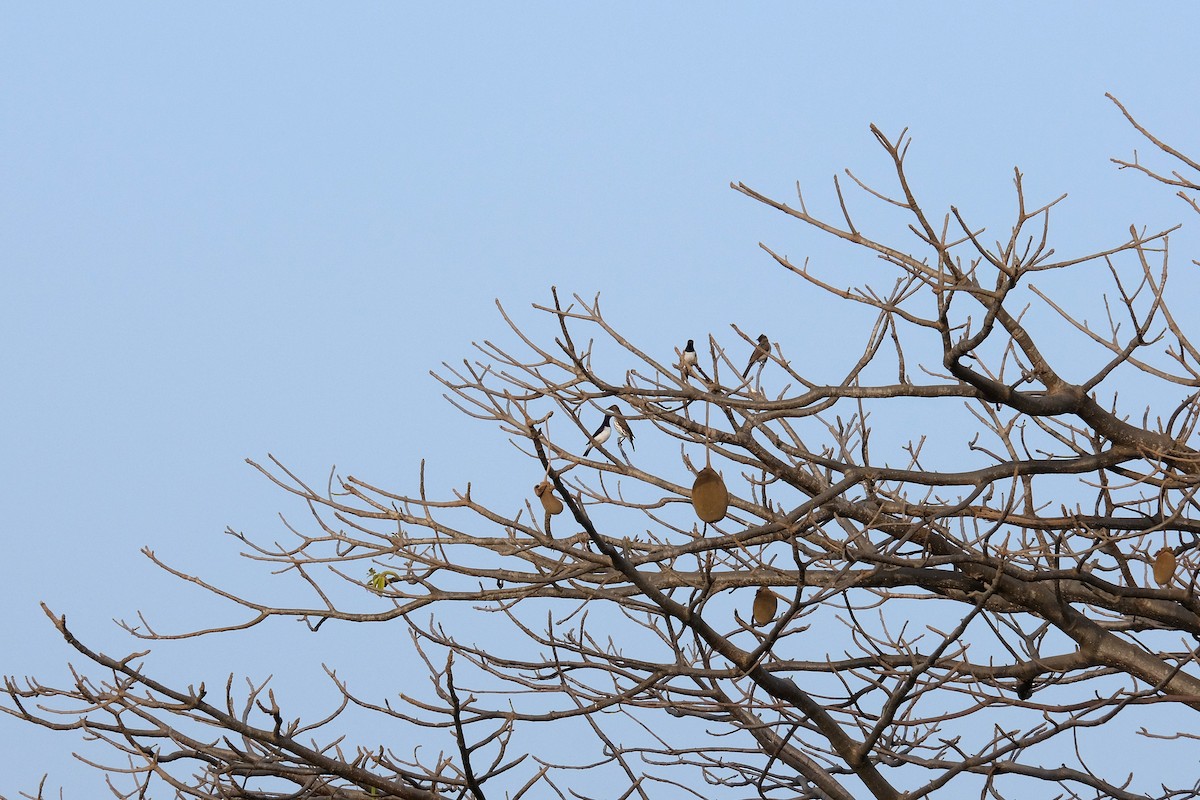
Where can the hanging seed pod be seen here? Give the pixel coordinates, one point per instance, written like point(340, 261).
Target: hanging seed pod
point(1164, 566)
point(766, 603)
point(710, 498)
point(550, 501)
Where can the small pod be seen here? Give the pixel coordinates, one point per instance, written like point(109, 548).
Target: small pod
point(766, 603)
point(550, 501)
point(710, 498)
point(1164, 566)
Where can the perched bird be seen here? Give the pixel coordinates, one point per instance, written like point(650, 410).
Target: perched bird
point(612, 420)
point(766, 603)
point(601, 435)
point(689, 362)
point(622, 427)
point(759, 356)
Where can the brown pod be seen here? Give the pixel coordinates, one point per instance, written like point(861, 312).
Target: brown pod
point(1164, 566)
point(766, 603)
point(710, 498)
point(550, 501)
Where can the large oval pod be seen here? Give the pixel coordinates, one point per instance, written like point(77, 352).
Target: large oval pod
point(710, 498)
point(766, 603)
point(1164, 566)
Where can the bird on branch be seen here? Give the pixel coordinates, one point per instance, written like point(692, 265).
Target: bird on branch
point(761, 351)
point(612, 420)
point(689, 362)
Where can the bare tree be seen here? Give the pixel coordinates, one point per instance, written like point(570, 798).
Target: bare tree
point(906, 618)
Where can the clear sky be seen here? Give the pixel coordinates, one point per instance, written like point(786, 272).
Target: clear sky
point(232, 229)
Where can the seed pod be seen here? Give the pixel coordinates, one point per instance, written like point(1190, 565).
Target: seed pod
point(766, 603)
point(1164, 566)
point(710, 498)
point(550, 501)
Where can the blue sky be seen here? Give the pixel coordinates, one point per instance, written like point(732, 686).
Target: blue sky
point(229, 230)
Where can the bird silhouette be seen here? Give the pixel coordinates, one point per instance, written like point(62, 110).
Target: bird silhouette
point(759, 356)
